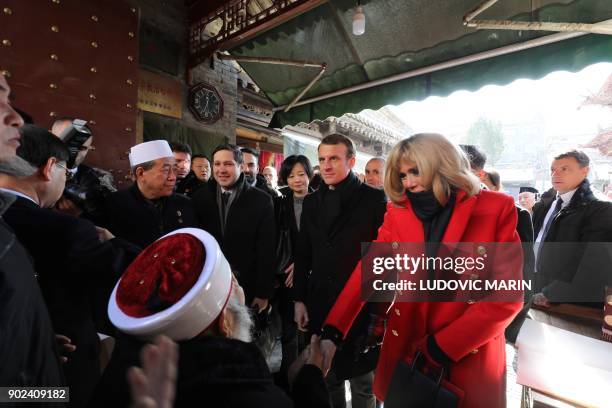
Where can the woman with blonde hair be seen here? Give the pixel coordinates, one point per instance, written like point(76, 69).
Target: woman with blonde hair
point(436, 199)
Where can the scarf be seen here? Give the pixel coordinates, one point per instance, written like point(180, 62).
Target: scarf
point(434, 217)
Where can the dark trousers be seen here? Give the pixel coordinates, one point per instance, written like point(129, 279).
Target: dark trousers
point(289, 335)
point(361, 391)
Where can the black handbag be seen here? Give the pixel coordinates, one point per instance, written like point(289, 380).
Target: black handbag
point(412, 387)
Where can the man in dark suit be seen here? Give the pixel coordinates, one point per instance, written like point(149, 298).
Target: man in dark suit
point(76, 264)
point(573, 227)
point(27, 345)
point(241, 218)
point(336, 219)
point(149, 209)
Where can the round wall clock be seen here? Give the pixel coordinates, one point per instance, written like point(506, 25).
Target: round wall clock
point(205, 103)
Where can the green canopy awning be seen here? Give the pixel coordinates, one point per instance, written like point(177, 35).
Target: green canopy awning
point(402, 36)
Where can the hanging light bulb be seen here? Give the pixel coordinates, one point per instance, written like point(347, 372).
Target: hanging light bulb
point(359, 20)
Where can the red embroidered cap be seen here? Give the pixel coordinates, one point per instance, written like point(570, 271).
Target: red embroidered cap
point(177, 286)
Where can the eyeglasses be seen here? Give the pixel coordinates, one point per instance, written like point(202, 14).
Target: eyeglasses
point(68, 172)
point(87, 148)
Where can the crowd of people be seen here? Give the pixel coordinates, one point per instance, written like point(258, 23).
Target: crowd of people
point(204, 263)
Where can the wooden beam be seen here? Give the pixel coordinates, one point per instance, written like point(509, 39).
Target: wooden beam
point(269, 23)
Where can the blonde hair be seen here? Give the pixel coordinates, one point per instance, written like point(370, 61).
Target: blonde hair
point(442, 167)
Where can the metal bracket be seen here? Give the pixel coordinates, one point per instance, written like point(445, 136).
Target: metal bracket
point(603, 27)
point(280, 61)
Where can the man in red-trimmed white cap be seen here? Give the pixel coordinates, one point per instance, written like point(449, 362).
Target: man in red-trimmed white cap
point(182, 287)
point(149, 208)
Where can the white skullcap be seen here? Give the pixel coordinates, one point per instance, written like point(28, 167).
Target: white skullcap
point(148, 151)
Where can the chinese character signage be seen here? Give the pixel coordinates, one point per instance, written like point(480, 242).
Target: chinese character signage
point(159, 94)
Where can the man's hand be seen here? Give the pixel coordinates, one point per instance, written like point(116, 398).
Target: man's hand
point(311, 355)
point(64, 346)
point(154, 385)
point(540, 300)
point(104, 234)
point(328, 349)
point(316, 356)
point(289, 273)
point(260, 304)
point(66, 205)
point(300, 316)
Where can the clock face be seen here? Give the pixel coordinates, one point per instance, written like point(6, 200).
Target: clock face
point(205, 103)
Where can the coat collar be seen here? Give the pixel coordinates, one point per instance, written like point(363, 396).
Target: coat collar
point(25, 202)
point(138, 194)
point(346, 188)
point(6, 199)
point(460, 217)
point(583, 194)
point(456, 225)
point(349, 199)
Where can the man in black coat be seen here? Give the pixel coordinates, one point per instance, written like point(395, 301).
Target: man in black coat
point(250, 169)
point(217, 366)
point(215, 371)
point(241, 218)
point(27, 345)
point(149, 209)
point(574, 233)
point(77, 265)
point(336, 219)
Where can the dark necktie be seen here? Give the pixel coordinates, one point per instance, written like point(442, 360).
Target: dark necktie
point(558, 205)
point(224, 200)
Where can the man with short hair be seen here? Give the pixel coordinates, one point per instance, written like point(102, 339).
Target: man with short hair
point(182, 158)
point(241, 218)
point(76, 263)
point(477, 160)
point(149, 208)
point(336, 219)
point(200, 166)
point(250, 168)
point(375, 172)
point(577, 271)
point(29, 354)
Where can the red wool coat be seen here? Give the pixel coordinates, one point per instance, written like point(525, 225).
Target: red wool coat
point(471, 334)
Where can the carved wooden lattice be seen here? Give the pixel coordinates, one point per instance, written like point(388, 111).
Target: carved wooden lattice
point(235, 21)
